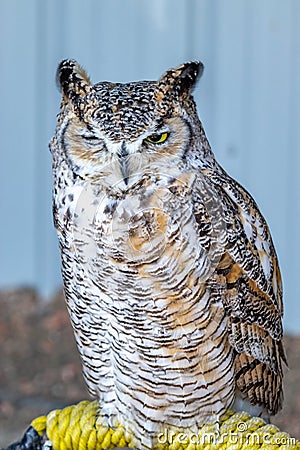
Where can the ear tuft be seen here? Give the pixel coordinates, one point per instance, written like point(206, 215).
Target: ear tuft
point(182, 78)
point(72, 80)
point(190, 72)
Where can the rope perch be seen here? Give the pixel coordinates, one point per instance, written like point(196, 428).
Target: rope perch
point(81, 427)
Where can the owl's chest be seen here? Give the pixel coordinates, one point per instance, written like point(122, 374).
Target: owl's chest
point(138, 239)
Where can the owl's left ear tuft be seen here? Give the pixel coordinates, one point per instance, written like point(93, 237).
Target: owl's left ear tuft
point(183, 78)
point(189, 74)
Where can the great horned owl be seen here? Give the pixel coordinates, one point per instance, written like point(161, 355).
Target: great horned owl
point(170, 274)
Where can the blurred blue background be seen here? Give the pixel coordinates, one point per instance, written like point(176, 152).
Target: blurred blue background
point(248, 100)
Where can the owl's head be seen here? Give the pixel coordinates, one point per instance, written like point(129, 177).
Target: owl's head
point(119, 130)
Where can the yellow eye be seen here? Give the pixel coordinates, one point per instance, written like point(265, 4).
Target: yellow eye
point(157, 138)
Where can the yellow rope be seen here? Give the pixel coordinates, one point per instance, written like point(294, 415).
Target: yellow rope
point(81, 427)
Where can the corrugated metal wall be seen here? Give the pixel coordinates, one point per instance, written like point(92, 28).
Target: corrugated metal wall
point(248, 98)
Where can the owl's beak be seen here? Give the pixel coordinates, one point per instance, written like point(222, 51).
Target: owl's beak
point(123, 158)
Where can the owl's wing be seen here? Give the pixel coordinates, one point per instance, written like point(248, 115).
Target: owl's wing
point(252, 295)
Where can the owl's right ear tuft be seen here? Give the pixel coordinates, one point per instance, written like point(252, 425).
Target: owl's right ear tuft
point(72, 81)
